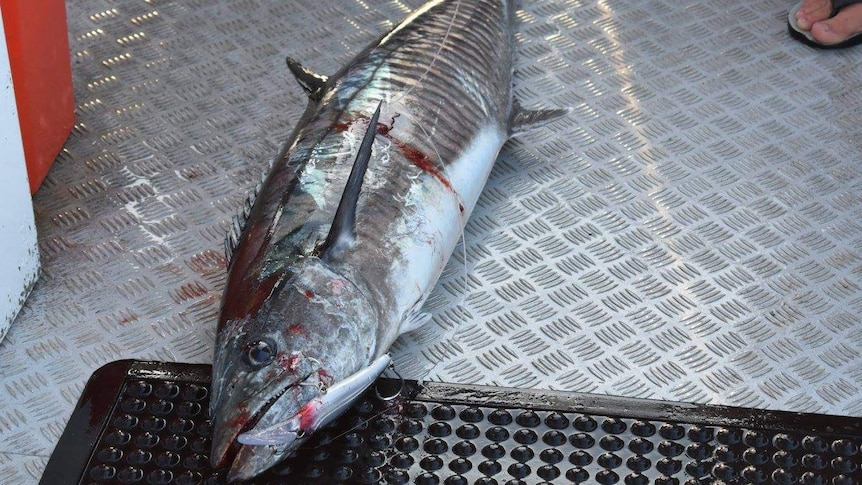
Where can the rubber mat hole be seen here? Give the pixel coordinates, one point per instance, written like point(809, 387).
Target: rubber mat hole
point(490, 467)
point(468, 431)
point(460, 465)
point(670, 448)
point(522, 454)
point(607, 477)
point(497, 434)
point(643, 429)
point(814, 444)
point(464, 449)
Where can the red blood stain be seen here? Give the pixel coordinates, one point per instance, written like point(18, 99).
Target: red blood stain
point(295, 329)
point(420, 160)
point(236, 424)
point(240, 282)
point(325, 377)
point(416, 157)
point(290, 362)
point(342, 126)
point(308, 294)
point(239, 420)
point(306, 416)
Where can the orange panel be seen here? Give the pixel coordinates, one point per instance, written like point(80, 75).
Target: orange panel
point(38, 45)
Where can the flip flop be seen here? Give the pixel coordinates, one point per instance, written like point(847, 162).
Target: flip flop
point(805, 37)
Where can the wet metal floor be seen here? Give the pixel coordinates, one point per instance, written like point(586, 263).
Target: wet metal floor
point(691, 232)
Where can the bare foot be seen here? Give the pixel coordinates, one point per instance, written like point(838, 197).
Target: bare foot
point(814, 16)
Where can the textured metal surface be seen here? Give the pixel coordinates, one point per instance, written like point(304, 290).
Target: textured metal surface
point(147, 425)
point(690, 232)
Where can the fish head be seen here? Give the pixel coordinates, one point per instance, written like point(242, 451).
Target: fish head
point(273, 364)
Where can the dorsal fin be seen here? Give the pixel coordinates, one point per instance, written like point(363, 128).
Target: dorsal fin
point(311, 82)
point(343, 230)
point(240, 220)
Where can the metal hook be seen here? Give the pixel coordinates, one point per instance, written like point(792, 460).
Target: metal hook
point(400, 386)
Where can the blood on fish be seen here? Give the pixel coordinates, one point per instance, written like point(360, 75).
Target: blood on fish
point(256, 239)
point(325, 377)
point(260, 291)
point(308, 294)
point(385, 129)
point(239, 420)
point(342, 126)
point(416, 157)
point(291, 362)
point(420, 160)
point(295, 329)
point(306, 416)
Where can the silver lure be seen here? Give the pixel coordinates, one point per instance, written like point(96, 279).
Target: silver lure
point(355, 222)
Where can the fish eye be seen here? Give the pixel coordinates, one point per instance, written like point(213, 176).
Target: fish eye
point(260, 353)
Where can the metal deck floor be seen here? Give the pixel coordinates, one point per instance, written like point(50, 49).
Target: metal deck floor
point(691, 232)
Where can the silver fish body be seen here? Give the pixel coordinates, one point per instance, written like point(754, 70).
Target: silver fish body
point(304, 308)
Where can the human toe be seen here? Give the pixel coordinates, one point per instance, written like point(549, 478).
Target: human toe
point(813, 11)
point(839, 28)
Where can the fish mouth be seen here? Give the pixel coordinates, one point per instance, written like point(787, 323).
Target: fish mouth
point(225, 446)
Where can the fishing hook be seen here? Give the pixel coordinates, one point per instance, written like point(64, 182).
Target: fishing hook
point(396, 393)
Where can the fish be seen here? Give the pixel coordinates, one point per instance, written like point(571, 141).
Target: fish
point(336, 252)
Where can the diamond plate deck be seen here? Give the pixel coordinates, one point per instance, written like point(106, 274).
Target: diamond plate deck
point(690, 232)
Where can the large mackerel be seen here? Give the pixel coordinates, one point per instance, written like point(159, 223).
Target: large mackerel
point(330, 269)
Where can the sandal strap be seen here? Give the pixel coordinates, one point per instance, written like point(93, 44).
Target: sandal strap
point(839, 4)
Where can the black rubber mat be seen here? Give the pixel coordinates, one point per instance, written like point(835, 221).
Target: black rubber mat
point(145, 422)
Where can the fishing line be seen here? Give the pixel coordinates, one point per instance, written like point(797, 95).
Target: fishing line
point(436, 54)
point(462, 222)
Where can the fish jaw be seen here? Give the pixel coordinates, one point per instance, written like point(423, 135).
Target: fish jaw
point(240, 410)
point(321, 411)
point(265, 445)
point(251, 460)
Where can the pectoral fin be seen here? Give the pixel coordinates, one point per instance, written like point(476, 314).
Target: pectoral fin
point(525, 120)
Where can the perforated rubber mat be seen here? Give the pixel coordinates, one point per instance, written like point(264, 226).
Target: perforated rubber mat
point(145, 422)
